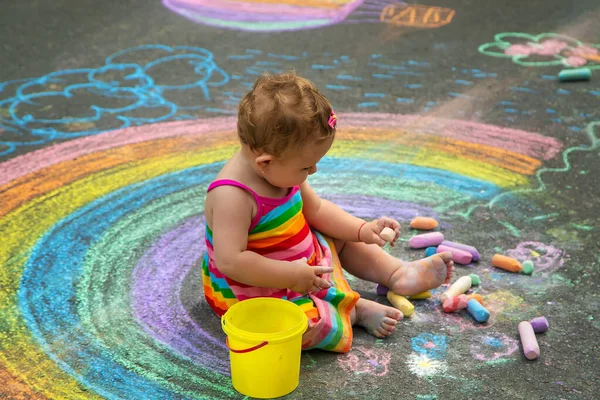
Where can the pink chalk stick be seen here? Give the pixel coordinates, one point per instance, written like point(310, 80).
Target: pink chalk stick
point(539, 324)
point(458, 256)
point(464, 247)
point(531, 349)
point(426, 240)
point(452, 304)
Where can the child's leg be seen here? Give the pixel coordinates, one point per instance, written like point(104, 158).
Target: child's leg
point(370, 262)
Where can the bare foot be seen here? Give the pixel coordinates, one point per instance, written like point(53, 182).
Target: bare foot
point(421, 275)
point(378, 319)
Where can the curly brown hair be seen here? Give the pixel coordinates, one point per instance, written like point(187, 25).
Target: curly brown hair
point(281, 113)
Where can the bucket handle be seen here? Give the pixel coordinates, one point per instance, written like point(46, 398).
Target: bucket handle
point(258, 346)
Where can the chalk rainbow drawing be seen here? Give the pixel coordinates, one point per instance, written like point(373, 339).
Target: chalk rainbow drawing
point(543, 50)
point(290, 15)
point(100, 232)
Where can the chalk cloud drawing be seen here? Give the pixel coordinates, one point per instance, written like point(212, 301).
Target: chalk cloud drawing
point(290, 15)
point(79, 102)
point(543, 50)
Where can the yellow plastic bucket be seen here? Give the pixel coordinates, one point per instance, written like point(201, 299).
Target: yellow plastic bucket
point(264, 336)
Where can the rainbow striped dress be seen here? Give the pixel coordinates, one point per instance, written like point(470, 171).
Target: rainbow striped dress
point(280, 231)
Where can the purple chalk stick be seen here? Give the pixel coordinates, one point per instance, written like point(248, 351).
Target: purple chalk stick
point(382, 290)
point(426, 240)
point(463, 247)
point(539, 324)
point(458, 256)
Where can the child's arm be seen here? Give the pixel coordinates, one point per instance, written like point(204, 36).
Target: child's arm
point(331, 220)
point(231, 210)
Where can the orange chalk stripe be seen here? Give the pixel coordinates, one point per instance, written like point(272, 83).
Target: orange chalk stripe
point(423, 223)
point(475, 296)
point(506, 263)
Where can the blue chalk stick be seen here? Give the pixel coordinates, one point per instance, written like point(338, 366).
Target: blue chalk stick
point(479, 312)
point(430, 251)
point(579, 74)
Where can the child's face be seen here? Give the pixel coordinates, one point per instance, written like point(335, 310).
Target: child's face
point(295, 167)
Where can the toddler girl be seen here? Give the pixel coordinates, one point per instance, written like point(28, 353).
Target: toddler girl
point(268, 234)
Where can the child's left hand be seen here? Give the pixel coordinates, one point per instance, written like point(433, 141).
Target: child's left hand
point(369, 232)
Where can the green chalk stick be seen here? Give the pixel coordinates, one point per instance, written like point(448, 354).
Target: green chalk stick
point(527, 267)
point(475, 281)
point(579, 74)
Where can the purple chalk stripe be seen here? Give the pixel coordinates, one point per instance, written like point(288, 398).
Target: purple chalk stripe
point(382, 290)
point(157, 280)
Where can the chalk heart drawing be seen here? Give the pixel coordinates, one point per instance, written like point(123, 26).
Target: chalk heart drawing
point(290, 15)
point(73, 103)
point(543, 50)
point(493, 346)
point(362, 360)
point(99, 232)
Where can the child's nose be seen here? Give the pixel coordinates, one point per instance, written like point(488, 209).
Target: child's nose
point(312, 170)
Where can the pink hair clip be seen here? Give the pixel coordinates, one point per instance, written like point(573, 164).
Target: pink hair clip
point(332, 122)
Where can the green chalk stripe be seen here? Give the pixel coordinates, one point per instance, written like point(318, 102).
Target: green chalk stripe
point(579, 74)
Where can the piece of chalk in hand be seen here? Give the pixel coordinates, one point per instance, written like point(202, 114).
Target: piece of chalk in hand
point(458, 256)
point(477, 311)
point(577, 74)
point(388, 234)
point(423, 223)
point(531, 349)
point(539, 324)
point(426, 240)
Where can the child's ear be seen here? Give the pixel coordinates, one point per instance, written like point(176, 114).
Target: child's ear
point(263, 161)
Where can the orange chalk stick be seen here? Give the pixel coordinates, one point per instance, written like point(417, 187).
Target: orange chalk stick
point(475, 296)
point(506, 263)
point(423, 223)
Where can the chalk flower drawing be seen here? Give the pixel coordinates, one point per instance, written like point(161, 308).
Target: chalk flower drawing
point(423, 366)
point(492, 347)
point(366, 361)
point(544, 256)
point(546, 49)
point(430, 345)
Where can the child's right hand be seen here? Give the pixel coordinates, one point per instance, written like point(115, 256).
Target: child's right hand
point(308, 278)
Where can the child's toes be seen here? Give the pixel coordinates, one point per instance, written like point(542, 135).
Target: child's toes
point(394, 314)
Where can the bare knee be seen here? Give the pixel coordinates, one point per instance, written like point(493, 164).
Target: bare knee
point(340, 245)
